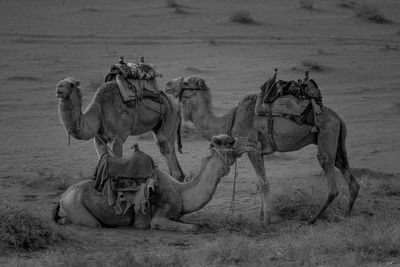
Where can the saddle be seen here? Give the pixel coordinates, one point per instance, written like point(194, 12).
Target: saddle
point(135, 80)
point(288, 98)
point(126, 182)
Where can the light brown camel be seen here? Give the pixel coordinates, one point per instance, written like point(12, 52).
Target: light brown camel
point(108, 119)
point(83, 204)
point(195, 99)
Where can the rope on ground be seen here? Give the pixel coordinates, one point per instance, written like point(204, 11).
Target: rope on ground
point(232, 207)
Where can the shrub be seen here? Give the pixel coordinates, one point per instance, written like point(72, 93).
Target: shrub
point(347, 4)
point(242, 17)
point(371, 13)
point(21, 231)
point(311, 65)
point(306, 4)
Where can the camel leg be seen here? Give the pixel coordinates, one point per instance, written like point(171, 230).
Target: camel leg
point(328, 136)
point(342, 164)
point(100, 147)
point(167, 149)
point(256, 159)
point(72, 210)
point(162, 223)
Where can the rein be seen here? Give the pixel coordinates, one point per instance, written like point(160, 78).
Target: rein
point(232, 206)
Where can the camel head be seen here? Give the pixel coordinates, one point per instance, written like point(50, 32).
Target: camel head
point(66, 86)
point(231, 148)
point(189, 91)
point(176, 87)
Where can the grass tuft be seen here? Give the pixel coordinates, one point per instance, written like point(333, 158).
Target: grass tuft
point(242, 17)
point(371, 13)
point(21, 231)
point(306, 4)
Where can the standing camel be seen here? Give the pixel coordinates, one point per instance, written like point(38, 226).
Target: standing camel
point(108, 119)
point(195, 98)
point(82, 204)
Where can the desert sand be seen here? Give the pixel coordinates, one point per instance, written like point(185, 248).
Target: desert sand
point(44, 41)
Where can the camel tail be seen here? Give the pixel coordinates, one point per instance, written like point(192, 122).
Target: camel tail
point(55, 211)
point(179, 136)
point(341, 160)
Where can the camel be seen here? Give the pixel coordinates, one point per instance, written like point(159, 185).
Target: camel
point(195, 99)
point(83, 204)
point(108, 119)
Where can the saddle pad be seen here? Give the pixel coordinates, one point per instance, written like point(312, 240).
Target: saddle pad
point(289, 105)
point(138, 165)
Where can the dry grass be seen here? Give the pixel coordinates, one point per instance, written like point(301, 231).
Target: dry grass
point(312, 65)
point(347, 4)
point(242, 17)
point(51, 180)
point(301, 206)
point(371, 13)
point(246, 227)
point(22, 231)
point(306, 4)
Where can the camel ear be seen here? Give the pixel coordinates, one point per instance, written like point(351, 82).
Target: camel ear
point(77, 83)
point(201, 83)
point(216, 141)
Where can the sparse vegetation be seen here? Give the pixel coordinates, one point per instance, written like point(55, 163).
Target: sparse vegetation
point(232, 251)
point(172, 4)
point(371, 13)
point(311, 65)
point(21, 231)
point(179, 11)
point(246, 227)
point(242, 17)
point(347, 4)
point(306, 4)
point(298, 205)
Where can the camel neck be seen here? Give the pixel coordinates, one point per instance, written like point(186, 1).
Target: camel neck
point(81, 125)
point(206, 122)
point(198, 192)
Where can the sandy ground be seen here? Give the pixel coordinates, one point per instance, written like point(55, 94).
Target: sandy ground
point(43, 41)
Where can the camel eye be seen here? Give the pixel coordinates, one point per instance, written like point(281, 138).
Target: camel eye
point(72, 85)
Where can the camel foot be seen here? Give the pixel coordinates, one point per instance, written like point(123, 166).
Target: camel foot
point(265, 218)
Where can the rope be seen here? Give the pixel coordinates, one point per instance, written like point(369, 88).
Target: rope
point(232, 207)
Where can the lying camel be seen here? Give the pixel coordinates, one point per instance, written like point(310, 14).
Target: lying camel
point(108, 119)
point(195, 99)
point(83, 204)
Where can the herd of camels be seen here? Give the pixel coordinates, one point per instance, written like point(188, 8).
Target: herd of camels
point(108, 120)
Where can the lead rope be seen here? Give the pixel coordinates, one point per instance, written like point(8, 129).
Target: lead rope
point(232, 207)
